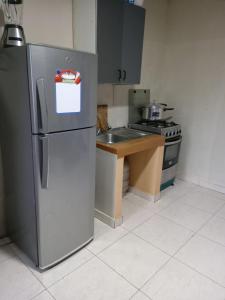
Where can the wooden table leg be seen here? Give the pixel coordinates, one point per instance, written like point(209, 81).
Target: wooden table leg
point(146, 172)
point(119, 188)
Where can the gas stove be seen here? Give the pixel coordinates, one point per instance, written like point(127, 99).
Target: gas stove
point(165, 128)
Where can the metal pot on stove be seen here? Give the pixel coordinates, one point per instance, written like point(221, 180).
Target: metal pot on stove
point(154, 111)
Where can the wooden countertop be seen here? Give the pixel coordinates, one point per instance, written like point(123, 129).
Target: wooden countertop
point(133, 146)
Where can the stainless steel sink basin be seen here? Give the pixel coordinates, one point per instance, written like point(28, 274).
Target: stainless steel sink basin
point(128, 133)
point(110, 138)
point(118, 135)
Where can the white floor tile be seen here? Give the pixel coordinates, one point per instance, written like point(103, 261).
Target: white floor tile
point(140, 296)
point(104, 236)
point(134, 215)
point(215, 230)
point(188, 216)
point(6, 253)
point(203, 200)
point(164, 201)
point(17, 282)
point(141, 202)
point(177, 282)
point(44, 296)
point(206, 257)
point(54, 274)
point(211, 192)
point(93, 281)
point(221, 213)
point(164, 234)
point(134, 259)
point(179, 189)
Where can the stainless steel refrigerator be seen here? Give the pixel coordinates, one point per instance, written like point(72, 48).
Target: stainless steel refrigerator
point(48, 117)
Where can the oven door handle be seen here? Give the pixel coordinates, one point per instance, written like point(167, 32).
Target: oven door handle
point(173, 143)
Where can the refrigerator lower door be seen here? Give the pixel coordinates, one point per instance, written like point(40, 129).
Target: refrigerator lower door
point(65, 181)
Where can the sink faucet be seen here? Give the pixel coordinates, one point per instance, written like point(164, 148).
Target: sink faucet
point(101, 130)
point(98, 131)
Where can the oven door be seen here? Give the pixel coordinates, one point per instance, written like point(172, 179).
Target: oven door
point(171, 152)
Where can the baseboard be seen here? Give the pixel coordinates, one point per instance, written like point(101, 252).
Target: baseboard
point(107, 219)
point(144, 195)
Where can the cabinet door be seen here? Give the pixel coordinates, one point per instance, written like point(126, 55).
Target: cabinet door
point(109, 36)
point(132, 44)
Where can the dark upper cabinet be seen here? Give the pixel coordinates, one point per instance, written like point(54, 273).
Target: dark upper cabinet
point(119, 41)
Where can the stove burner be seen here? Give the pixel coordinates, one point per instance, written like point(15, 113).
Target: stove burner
point(167, 128)
point(157, 124)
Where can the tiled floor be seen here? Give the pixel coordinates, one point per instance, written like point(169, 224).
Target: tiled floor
point(170, 250)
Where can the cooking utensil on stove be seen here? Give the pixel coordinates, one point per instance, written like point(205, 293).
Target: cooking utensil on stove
point(154, 111)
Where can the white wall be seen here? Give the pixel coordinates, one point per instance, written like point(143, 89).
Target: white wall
point(154, 46)
point(84, 25)
point(153, 50)
point(46, 22)
point(194, 77)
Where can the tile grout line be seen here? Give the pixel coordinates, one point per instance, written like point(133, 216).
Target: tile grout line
point(46, 290)
point(176, 223)
point(192, 236)
point(25, 265)
point(171, 220)
point(139, 291)
point(154, 214)
point(96, 254)
point(173, 256)
point(131, 232)
point(115, 271)
point(170, 257)
point(154, 246)
point(51, 295)
point(63, 277)
point(210, 240)
point(203, 210)
point(195, 270)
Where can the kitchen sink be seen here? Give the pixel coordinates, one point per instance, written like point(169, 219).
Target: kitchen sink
point(110, 138)
point(118, 135)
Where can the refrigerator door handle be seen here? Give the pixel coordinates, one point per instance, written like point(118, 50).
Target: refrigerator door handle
point(42, 105)
point(44, 161)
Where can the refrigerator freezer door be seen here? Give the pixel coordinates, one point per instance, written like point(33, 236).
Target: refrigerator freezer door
point(59, 101)
point(64, 174)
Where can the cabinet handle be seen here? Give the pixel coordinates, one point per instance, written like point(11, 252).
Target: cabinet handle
point(124, 75)
point(120, 74)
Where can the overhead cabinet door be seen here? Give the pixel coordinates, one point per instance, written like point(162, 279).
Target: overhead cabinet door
point(132, 43)
point(109, 36)
point(120, 41)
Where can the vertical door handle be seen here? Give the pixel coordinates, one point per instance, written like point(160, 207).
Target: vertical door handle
point(44, 161)
point(124, 75)
point(120, 74)
point(42, 105)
